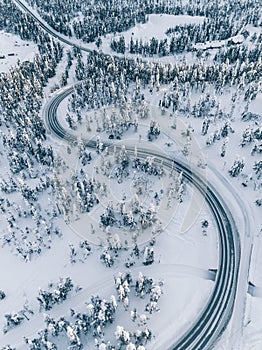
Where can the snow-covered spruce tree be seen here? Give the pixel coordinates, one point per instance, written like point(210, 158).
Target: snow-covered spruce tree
point(247, 136)
point(122, 336)
point(148, 258)
point(108, 218)
point(205, 126)
point(143, 285)
point(257, 148)
point(237, 167)
point(257, 167)
point(224, 147)
point(154, 130)
point(85, 248)
point(226, 128)
point(73, 254)
point(155, 293)
point(107, 259)
point(119, 45)
point(2, 294)
point(12, 320)
point(122, 284)
point(73, 338)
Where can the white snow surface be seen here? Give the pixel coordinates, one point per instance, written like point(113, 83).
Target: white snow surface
point(16, 47)
point(157, 25)
point(183, 258)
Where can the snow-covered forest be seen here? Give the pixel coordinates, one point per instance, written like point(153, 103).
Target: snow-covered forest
point(130, 140)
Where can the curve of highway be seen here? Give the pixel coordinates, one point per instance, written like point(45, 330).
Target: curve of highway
point(47, 28)
point(214, 318)
point(212, 321)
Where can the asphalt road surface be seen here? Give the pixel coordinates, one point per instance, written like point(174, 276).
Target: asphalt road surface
point(212, 321)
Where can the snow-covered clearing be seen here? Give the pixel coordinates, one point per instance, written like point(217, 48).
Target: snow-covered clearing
point(157, 26)
point(12, 49)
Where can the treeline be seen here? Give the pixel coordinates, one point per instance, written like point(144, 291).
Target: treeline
point(15, 21)
point(183, 38)
point(101, 17)
point(182, 43)
point(109, 77)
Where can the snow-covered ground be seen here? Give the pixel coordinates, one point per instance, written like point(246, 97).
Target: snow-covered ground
point(156, 27)
point(183, 252)
point(12, 49)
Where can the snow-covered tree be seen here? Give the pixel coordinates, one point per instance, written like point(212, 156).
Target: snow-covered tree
point(237, 167)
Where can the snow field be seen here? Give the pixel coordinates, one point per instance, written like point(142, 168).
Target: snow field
point(183, 253)
point(12, 49)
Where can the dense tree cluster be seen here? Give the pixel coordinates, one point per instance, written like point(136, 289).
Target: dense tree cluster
point(116, 124)
point(183, 38)
point(101, 17)
point(77, 196)
point(110, 77)
point(252, 135)
point(27, 240)
point(132, 340)
point(103, 87)
point(142, 286)
point(240, 53)
point(23, 137)
point(142, 218)
point(17, 22)
point(81, 253)
point(218, 134)
point(121, 168)
point(148, 166)
point(237, 167)
point(14, 319)
point(47, 299)
point(122, 284)
point(75, 328)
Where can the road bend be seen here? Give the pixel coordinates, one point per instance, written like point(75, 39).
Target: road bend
point(206, 329)
point(209, 325)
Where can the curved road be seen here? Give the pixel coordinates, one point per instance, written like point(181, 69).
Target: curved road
point(212, 321)
point(47, 28)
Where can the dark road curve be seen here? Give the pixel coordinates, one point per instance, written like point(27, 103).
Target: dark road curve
point(48, 29)
point(206, 329)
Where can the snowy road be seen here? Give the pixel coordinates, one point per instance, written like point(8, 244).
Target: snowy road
point(214, 318)
point(47, 28)
point(210, 324)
